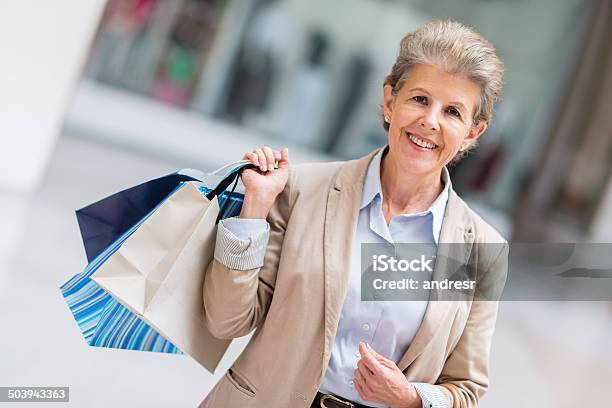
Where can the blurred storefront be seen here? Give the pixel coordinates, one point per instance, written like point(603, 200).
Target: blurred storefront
point(308, 74)
point(569, 195)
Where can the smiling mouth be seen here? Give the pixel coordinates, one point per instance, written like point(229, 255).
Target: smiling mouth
point(420, 142)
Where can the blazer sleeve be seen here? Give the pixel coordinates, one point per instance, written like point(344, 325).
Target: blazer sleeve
point(467, 367)
point(238, 286)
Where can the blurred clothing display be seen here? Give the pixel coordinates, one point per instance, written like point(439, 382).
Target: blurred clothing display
point(304, 117)
point(257, 67)
point(124, 23)
point(182, 60)
point(157, 48)
point(358, 69)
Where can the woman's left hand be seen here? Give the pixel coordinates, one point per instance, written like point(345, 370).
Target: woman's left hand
point(378, 379)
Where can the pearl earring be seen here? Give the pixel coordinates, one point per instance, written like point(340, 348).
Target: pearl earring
point(387, 119)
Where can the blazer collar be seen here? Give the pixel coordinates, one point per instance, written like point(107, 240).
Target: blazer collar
point(343, 203)
point(340, 224)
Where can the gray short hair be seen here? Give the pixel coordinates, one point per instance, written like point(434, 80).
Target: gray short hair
point(458, 49)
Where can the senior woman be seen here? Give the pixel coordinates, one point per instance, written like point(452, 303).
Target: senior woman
point(288, 266)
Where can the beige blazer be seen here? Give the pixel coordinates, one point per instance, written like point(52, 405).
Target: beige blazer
point(294, 301)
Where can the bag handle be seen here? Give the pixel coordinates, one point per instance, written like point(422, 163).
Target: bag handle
point(224, 184)
point(227, 180)
point(229, 165)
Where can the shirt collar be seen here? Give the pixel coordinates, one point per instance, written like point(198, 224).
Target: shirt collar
point(373, 189)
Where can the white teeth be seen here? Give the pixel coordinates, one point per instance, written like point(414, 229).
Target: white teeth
point(420, 142)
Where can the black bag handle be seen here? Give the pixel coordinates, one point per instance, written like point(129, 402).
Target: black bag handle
point(224, 184)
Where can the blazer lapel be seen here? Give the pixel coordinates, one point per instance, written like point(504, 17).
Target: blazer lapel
point(456, 228)
point(341, 217)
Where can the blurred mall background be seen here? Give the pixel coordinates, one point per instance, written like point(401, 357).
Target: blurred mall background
point(96, 96)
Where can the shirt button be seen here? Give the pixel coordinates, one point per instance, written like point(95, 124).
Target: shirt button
point(365, 326)
point(351, 383)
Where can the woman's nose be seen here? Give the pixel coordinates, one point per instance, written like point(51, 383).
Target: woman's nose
point(430, 120)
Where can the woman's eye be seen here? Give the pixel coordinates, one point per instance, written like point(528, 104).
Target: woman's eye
point(454, 112)
point(419, 99)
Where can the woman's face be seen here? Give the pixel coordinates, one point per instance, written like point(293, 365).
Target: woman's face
point(430, 119)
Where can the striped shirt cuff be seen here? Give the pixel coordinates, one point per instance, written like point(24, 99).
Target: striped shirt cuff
point(241, 254)
point(245, 228)
point(431, 395)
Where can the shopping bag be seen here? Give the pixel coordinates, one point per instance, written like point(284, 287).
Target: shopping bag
point(157, 272)
point(103, 321)
point(104, 221)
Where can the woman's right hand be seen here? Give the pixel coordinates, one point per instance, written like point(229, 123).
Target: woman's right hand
point(264, 183)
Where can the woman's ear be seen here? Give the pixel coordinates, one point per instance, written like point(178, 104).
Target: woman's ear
point(388, 99)
point(475, 132)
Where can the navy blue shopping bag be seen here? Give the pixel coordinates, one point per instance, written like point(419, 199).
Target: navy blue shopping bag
point(102, 222)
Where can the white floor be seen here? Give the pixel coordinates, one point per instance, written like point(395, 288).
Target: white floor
point(545, 354)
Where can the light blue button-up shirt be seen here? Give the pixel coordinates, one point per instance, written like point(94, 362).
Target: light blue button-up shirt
point(389, 327)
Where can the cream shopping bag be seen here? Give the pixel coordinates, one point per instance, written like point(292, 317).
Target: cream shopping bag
point(158, 272)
